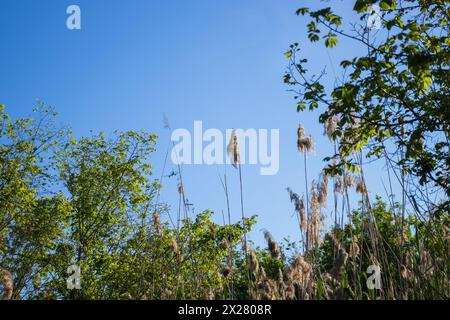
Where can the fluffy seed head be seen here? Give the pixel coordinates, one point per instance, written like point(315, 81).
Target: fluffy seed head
point(341, 258)
point(339, 264)
point(298, 272)
point(338, 184)
point(267, 289)
point(304, 143)
point(349, 180)
point(274, 248)
point(233, 149)
point(254, 264)
point(403, 272)
point(280, 276)
point(300, 132)
point(314, 219)
point(302, 213)
point(354, 250)
point(309, 144)
point(299, 205)
point(361, 186)
point(174, 246)
point(209, 294)
point(330, 126)
point(6, 279)
point(157, 222)
point(323, 190)
point(244, 244)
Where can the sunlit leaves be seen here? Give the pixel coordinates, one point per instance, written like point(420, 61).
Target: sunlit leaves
point(401, 84)
point(331, 40)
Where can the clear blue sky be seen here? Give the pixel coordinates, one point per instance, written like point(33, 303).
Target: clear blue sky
point(217, 61)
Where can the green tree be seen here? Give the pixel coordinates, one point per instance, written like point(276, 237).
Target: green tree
point(393, 101)
point(92, 202)
point(31, 219)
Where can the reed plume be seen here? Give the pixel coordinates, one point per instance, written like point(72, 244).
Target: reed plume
point(298, 277)
point(233, 149)
point(403, 272)
point(262, 273)
point(254, 264)
point(299, 205)
point(338, 184)
point(349, 180)
point(280, 276)
point(354, 250)
point(305, 145)
point(341, 258)
point(274, 248)
point(314, 219)
point(339, 264)
point(302, 213)
point(6, 279)
point(234, 154)
point(308, 143)
point(209, 294)
point(174, 246)
point(157, 223)
point(244, 244)
point(267, 288)
point(330, 126)
point(323, 190)
point(361, 186)
point(300, 137)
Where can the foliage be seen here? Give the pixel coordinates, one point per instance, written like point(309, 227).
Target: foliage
point(338, 267)
point(394, 100)
point(91, 202)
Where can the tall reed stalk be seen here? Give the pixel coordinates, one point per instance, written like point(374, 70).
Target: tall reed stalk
point(234, 154)
point(305, 144)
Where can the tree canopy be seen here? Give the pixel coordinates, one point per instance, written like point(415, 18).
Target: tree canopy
point(392, 102)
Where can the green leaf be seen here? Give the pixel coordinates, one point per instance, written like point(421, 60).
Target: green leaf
point(426, 81)
point(360, 6)
point(384, 5)
point(313, 37)
point(302, 11)
point(388, 4)
point(331, 41)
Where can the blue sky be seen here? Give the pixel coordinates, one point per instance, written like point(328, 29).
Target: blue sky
point(217, 61)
